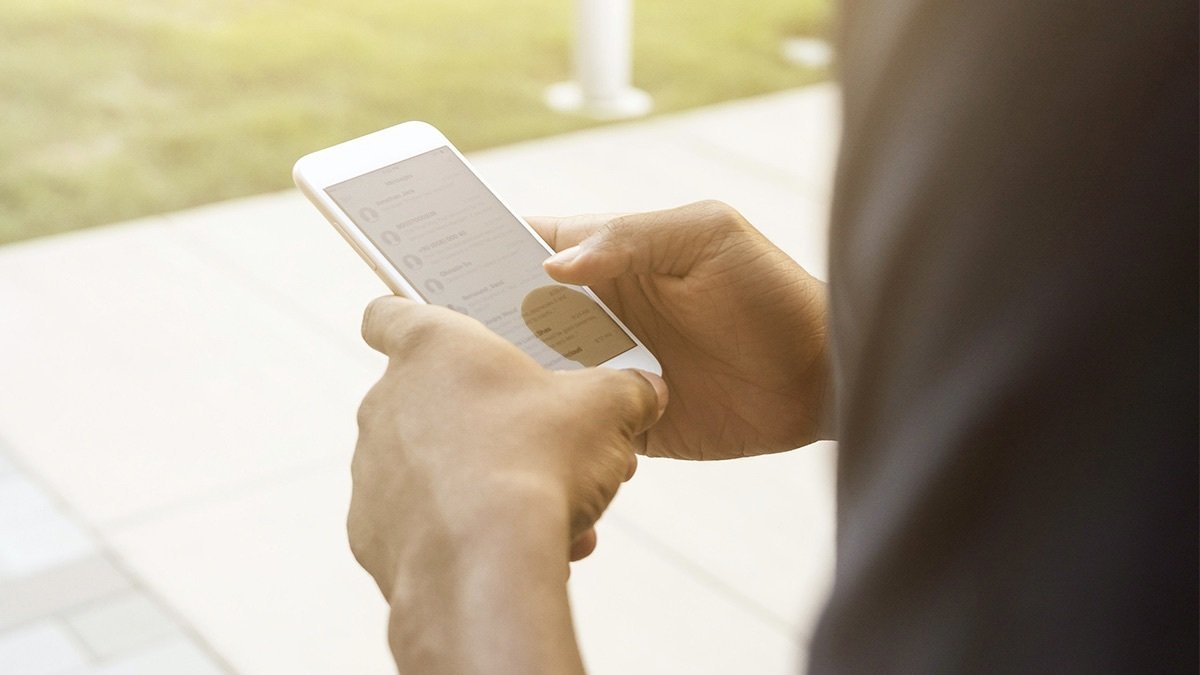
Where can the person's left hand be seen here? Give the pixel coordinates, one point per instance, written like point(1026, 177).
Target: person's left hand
point(465, 438)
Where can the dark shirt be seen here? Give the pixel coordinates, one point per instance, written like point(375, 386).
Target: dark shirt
point(1014, 317)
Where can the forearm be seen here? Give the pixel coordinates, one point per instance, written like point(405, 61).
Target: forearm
point(494, 602)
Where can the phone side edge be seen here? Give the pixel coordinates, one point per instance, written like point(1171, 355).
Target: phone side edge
point(638, 357)
point(361, 244)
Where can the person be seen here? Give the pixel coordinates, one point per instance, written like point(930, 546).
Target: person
point(1006, 353)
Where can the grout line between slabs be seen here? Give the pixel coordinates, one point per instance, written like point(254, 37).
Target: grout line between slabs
point(105, 550)
point(746, 163)
point(225, 493)
point(706, 578)
point(206, 254)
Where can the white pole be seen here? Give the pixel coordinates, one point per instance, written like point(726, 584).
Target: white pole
point(603, 64)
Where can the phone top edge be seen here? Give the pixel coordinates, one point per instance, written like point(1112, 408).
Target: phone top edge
point(329, 166)
point(298, 178)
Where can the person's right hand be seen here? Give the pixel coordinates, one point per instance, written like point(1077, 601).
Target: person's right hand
point(738, 326)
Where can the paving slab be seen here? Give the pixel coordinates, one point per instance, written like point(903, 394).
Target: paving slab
point(765, 539)
point(121, 625)
point(43, 648)
point(149, 378)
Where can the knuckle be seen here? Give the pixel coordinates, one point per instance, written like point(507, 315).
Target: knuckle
point(597, 498)
point(395, 326)
point(380, 320)
point(371, 318)
point(366, 410)
point(420, 331)
point(608, 492)
point(610, 232)
point(716, 208)
point(366, 413)
point(373, 403)
point(620, 230)
point(720, 214)
point(354, 533)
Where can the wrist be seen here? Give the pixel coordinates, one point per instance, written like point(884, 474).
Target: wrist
point(503, 510)
point(504, 562)
point(502, 513)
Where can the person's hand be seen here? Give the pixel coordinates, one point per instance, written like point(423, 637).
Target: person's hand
point(738, 326)
point(466, 442)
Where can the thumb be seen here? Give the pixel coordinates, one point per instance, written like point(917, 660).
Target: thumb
point(660, 242)
point(636, 398)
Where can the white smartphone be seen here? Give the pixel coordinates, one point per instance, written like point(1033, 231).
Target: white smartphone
point(410, 204)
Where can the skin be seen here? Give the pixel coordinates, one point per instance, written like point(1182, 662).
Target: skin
point(467, 513)
point(737, 325)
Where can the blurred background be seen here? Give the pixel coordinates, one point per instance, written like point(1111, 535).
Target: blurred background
point(180, 363)
point(114, 110)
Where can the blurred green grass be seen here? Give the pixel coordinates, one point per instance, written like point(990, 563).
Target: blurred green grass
point(114, 110)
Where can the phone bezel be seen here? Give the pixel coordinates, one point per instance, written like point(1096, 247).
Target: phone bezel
point(316, 171)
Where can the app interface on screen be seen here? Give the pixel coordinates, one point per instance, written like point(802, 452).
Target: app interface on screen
point(460, 248)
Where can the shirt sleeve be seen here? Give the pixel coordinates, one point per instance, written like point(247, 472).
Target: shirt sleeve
point(1014, 317)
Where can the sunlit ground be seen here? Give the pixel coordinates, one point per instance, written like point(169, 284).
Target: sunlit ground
point(113, 110)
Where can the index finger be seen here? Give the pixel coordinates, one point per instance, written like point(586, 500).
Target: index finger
point(382, 320)
point(565, 232)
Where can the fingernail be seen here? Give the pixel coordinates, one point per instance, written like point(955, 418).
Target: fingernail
point(660, 388)
point(565, 256)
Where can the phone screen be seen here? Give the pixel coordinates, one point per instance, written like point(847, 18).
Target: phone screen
point(454, 242)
